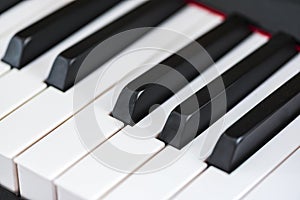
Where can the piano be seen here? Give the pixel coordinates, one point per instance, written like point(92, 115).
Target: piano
point(157, 99)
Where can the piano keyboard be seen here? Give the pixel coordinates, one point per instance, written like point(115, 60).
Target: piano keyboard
point(145, 100)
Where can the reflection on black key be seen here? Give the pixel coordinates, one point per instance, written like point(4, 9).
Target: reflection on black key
point(210, 103)
point(65, 70)
point(6, 4)
point(36, 39)
point(137, 98)
point(257, 127)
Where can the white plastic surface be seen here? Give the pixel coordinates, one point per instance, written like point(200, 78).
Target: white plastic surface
point(283, 183)
point(216, 184)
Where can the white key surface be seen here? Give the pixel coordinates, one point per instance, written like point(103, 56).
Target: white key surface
point(52, 107)
point(42, 163)
point(18, 88)
point(283, 183)
point(90, 179)
point(161, 183)
point(3, 68)
point(216, 184)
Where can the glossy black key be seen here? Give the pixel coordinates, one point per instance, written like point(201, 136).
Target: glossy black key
point(7, 4)
point(65, 70)
point(137, 98)
point(7, 195)
point(36, 39)
point(210, 103)
point(257, 127)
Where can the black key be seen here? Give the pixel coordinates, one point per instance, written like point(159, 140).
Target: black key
point(7, 195)
point(65, 70)
point(7, 4)
point(210, 103)
point(36, 39)
point(257, 127)
point(138, 97)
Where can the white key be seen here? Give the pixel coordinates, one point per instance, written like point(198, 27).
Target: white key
point(21, 129)
point(62, 148)
point(17, 88)
point(161, 184)
point(26, 131)
point(90, 179)
point(283, 183)
point(3, 68)
point(183, 170)
point(11, 21)
point(28, 82)
point(216, 184)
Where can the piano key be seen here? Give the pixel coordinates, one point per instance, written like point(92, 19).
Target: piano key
point(7, 195)
point(280, 77)
point(35, 73)
point(69, 183)
point(19, 93)
point(31, 11)
point(33, 41)
point(96, 178)
point(188, 164)
point(283, 183)
point(160, 114)
point(37, 108)
point(216, 184)
point(164, 181)
point(239, 81)
point(11, 21)
point(257, 127)
point(131, 107)
point(60, 160)
point(150, 14)
point(253, 99)
point(283, 75)
point(3, 68)
point(171, 104)
point(5, 5)
point(26, 133)
point(36, 175)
